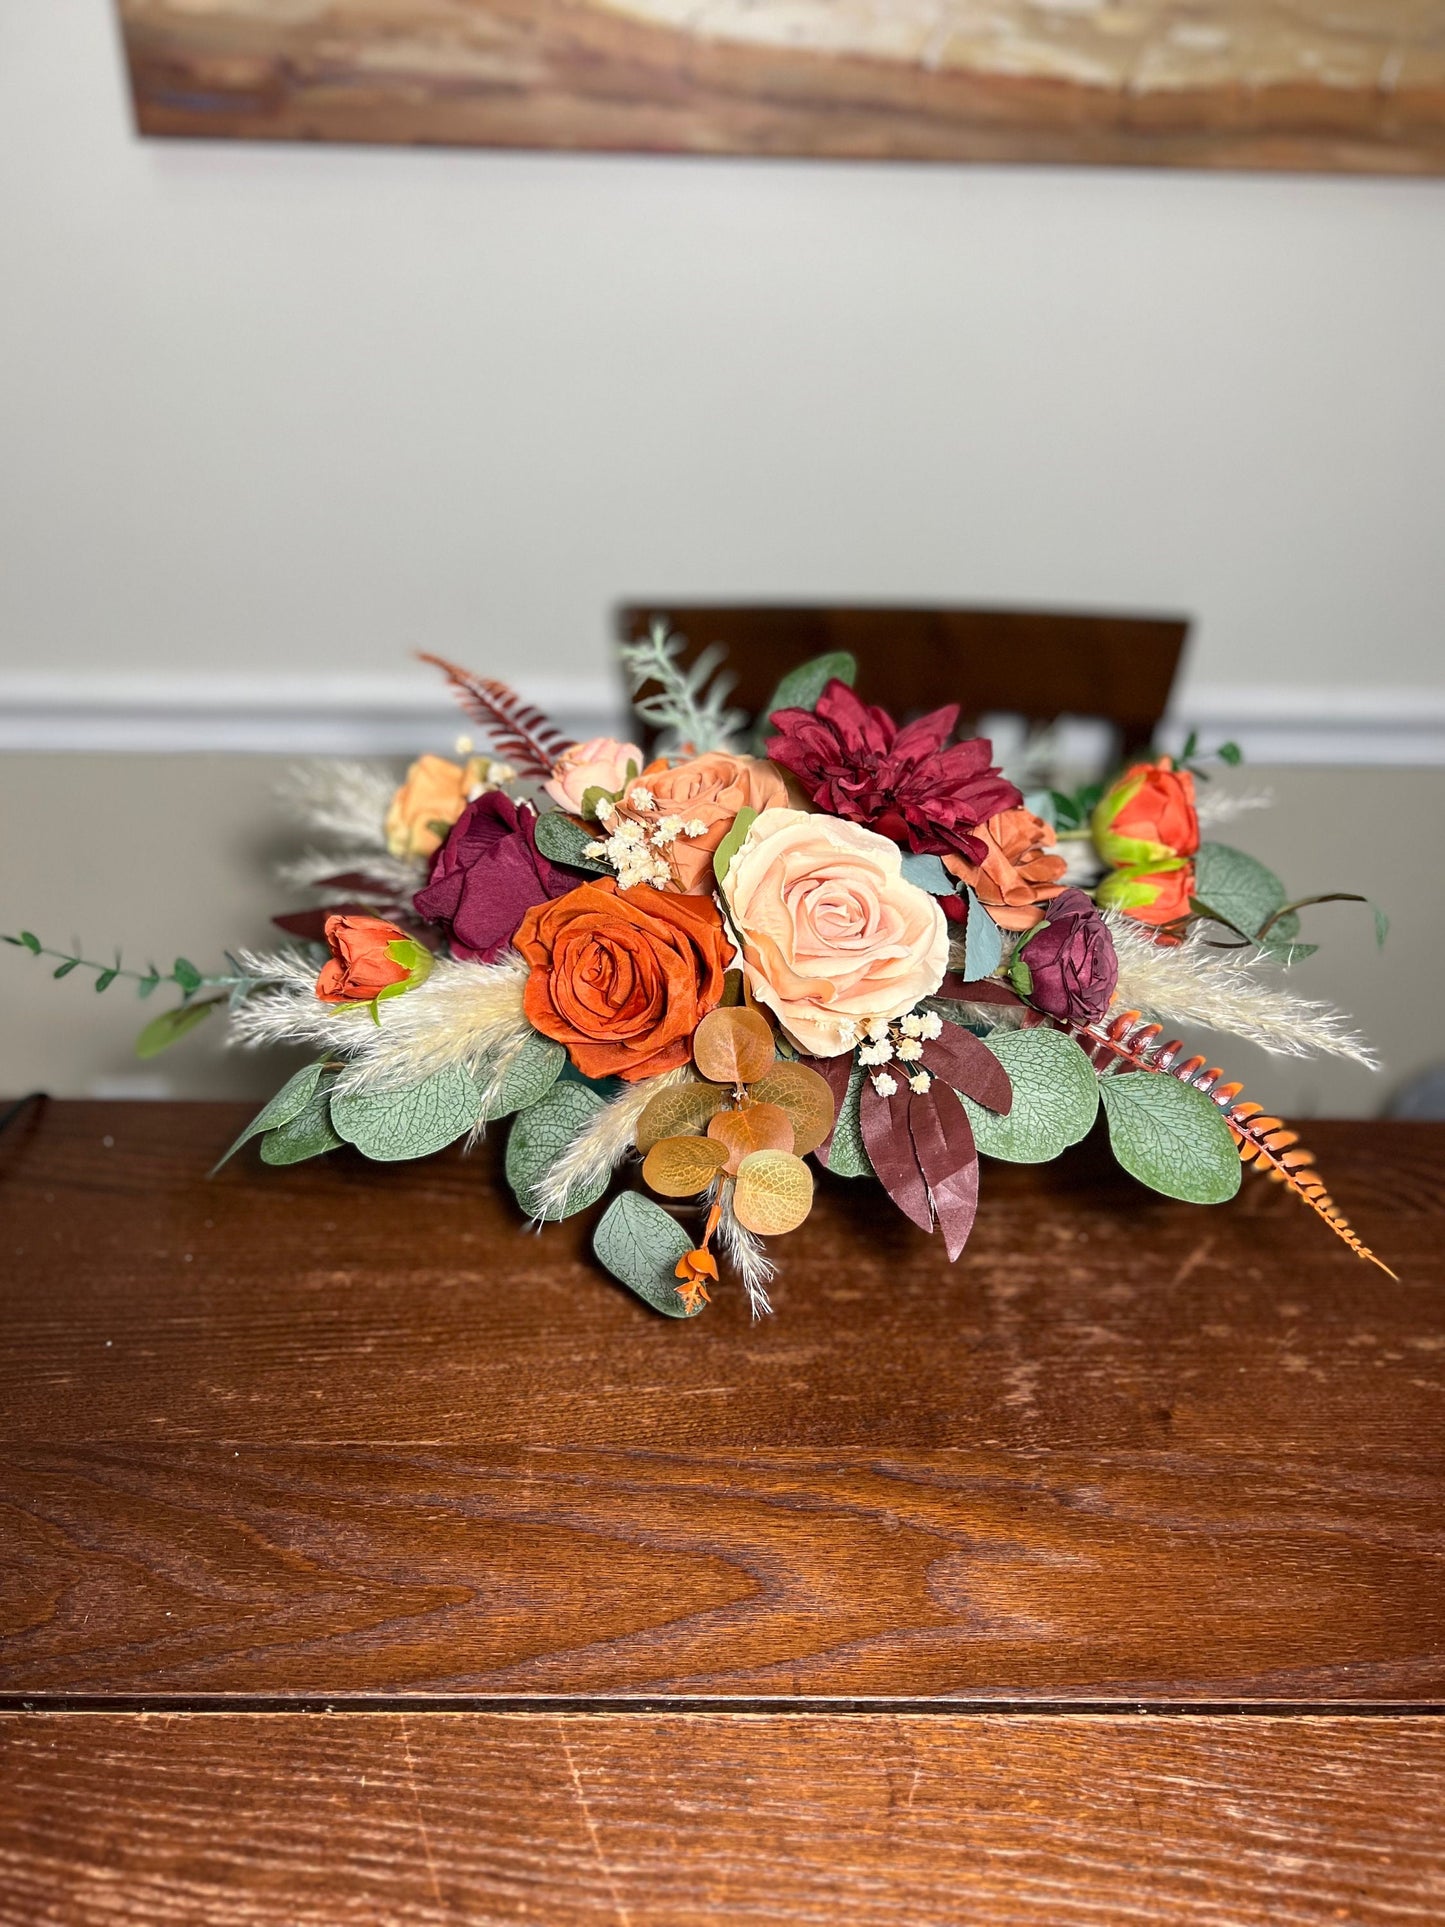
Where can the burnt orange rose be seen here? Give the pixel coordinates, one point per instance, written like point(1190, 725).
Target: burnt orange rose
point(1149, 896)
point(621, 977)
point(369, 958)
point(1147, 817)
point(1016, 878)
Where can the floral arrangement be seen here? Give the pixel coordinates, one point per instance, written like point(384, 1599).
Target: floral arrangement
point(839, 943)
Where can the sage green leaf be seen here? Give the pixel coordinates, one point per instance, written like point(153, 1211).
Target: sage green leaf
point(186, 975)
point(801, 688)
point(982, 943)
point(539, 1137)
point(172, 1026)
point(71, 963)
point(30, 940)
point(306, 1135)
point(1056, 1097)
point(640, 1244)
point(1240, 888)
point(289, 1102)
point(929, 874)
point(391, 1125)
point(106, 978)
point(528, 1077)
point(731, 844)
point(1171, 1137)
point(564, 840)
point(847, 1157)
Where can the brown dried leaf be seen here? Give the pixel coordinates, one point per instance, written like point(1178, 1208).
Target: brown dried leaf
point(774, 1192)
point(675, 1112)
point(806, 1097)
point(680, 1167)
point(733, 1046)
point(757, 1127)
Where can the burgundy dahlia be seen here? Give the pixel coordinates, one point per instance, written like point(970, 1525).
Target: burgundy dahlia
point(487, 875)
point(854, 761)
point(1070, 961)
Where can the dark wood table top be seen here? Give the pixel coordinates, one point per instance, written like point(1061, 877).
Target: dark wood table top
point(367, 1558)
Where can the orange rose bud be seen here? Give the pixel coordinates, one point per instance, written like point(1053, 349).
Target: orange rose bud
point(1016, 878)
point(1149, 896)
point(1147, 817)
point(370, 958)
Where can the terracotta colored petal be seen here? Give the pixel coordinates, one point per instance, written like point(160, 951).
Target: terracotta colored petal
point(968, 1064)
point(889, 1144)
point(943, 1143)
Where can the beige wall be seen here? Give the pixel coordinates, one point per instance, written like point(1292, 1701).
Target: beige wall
point(272, 411)
point(168, 854)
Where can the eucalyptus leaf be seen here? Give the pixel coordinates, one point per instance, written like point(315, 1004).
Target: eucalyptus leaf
point(641, 1244)
point(186, 975)
point(1171, 1137)
point(288, 1103)
point(528, 1077)
point(172, 1026)
point(391, 1125)
point(1240, 888)
point(1055, 1097)
point(847, 1156)
point(307, 1135)
point(801, 688)
point(982, 943)
point(731, 844)
point(539, 1137)
point(564, 840)
point(929, 874)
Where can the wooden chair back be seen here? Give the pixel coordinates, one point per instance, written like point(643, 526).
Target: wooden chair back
point(1034, 663)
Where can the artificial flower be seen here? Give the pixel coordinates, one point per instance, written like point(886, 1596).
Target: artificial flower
point(601, 763)
point(908, 784)
point(622, 977)
point(1016, 876)
point(430, 799)
point(370, 958)
point(1156, 896)
point(702, 797)
point(487, 873)
point(834, 938)
point(1146, 817)
point(1067, 967)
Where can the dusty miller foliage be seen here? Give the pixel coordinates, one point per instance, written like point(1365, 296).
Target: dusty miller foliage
point(689, 707)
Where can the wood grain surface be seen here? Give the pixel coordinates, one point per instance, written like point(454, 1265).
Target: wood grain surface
point(667, 1820)
point(347, 1430)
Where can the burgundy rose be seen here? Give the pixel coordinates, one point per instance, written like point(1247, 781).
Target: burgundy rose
point(1070, 961)
point(854, 761)
point(487, 875)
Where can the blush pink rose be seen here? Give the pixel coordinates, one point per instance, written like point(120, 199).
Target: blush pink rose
point(602, 763)
point(834, 937)
point(705, 793)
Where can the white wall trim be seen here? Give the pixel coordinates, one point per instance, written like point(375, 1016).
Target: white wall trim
point(398, 715)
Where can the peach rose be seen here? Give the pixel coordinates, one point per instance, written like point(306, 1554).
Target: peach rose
point(432, 797)
point(834, 938)
point(705, 792)
point(601, 763)
point(1016, 878)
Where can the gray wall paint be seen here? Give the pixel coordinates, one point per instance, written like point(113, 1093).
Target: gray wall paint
point(299, 410)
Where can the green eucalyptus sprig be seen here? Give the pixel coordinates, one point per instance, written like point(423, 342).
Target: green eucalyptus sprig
point(171, 1025)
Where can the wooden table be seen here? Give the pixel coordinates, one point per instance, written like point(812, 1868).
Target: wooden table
point(365, 1558)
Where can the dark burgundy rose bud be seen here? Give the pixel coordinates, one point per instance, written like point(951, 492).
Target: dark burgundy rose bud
point(488, 875)
point(1067, 968)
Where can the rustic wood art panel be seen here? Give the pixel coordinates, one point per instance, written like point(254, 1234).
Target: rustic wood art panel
point(1324, 84)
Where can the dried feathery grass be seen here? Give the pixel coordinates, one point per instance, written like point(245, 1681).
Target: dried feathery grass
point(463, 1014)
point(602, 1144)
point(309, 872)
point(344, 800)
point(1215, 806)
point(747, 1255)
point(1228, 991)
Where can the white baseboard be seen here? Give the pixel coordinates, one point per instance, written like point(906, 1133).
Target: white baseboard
point(404, 714)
